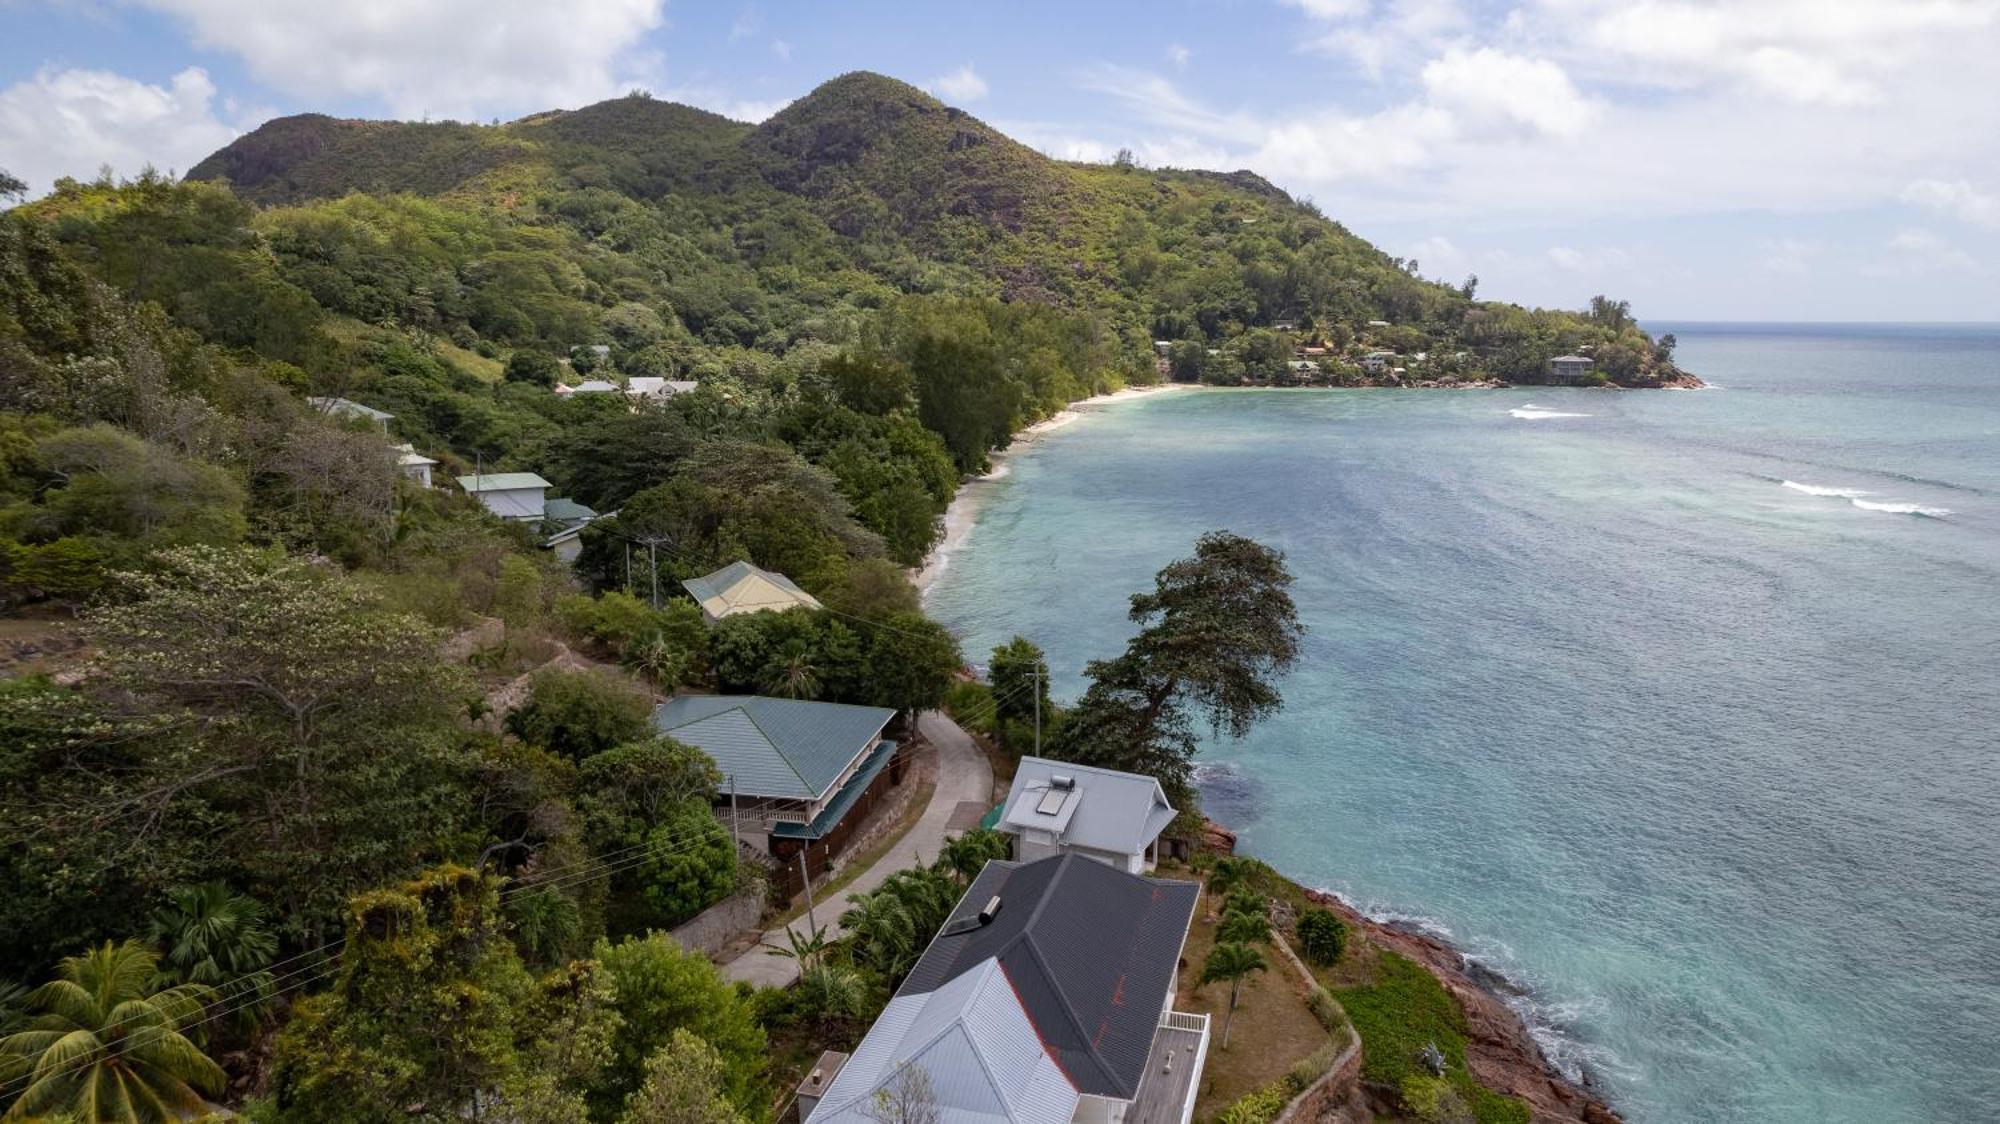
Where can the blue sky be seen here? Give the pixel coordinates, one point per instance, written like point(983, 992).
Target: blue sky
point(1764, 159)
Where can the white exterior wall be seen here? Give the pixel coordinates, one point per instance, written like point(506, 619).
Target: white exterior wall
point(514, 503)
point(1036, 845)
point(1032, 844)
point(421, 473)
point(1092, 1109)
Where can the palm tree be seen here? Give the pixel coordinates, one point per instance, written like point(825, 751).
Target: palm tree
point(885, 935)
point(1233, 963)
point(1228, 874)
point(828, 992)
point(968, 853)
point(807, 950)
point(106, 1043)
point(207, 935)
point(1244, 926)
point(791, 674)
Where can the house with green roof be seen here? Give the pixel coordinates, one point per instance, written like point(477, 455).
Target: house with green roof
point(805, 769)
point(741, 587)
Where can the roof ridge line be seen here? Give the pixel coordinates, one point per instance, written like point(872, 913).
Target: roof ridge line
point(775, 747)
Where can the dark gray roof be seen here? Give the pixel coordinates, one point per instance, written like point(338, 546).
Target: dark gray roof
point(1090, 950)
point(781, 748)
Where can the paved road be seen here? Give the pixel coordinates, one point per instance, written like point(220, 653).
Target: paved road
point(964, 778)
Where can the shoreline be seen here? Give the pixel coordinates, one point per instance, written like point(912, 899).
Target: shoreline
point(1501, 1048)
point(963, 511)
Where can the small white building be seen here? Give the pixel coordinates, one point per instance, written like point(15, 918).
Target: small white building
point(589, 386)
point(344, 408)
point(414, 465)
point(1377, 362)
point(510, 495)
point(1570, 368)
point(1060, 808)
point(655, 387)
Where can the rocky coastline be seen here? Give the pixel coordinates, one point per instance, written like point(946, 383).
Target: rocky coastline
point(1498, 1048)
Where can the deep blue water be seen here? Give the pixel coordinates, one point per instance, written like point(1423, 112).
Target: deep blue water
point(1709, 762)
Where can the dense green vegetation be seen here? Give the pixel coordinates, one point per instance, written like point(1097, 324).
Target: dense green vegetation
point(299, 805)
point(1400, 1013)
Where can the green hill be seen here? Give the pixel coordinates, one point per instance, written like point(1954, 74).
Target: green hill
point(868, 188)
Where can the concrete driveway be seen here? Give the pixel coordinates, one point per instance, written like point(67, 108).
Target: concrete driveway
point(964, 793)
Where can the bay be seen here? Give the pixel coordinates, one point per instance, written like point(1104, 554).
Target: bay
point(1681, 709)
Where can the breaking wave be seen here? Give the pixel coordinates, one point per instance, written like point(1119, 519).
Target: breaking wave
point(1532, 412)
point(1853, 496)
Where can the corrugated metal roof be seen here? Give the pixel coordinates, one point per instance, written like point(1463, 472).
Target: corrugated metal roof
point(502, 482)
point(782, 748)
point(1091, 952)
point(976, 1046)
point(743, 588)
point(1111, 811)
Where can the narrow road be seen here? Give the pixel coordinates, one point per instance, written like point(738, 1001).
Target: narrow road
point(964, 778)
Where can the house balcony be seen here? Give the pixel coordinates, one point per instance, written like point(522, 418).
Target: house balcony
point(1173, 1071)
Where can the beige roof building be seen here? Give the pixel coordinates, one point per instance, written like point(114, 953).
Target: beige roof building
point(742, 588)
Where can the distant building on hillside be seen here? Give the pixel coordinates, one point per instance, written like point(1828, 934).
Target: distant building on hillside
point(343, 408)
point(1570, 368)
point(743, 588)
point(414, 465)
point(1163, 346)
point(653, 386)
point(510, 495)
point(1285, 325)
point(1377, 362)
point(1378, 324)
point(589, 386)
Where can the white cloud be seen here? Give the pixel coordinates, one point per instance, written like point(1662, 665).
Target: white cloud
point(1486, 87)
point(1178, 55)
point(961, 85)
point(1329, 9)
point(782, 49)
point(444, 58)
point(1440, 257)
point(74, 122)
point(1923, 250)
point(1957, 198)
point(1595, 261)
point(748, 22)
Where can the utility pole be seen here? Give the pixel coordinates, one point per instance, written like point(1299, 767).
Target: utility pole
point(735, 828)
point(653, 555)
point(806, 877)
point(628, 569)
point(1038, 708)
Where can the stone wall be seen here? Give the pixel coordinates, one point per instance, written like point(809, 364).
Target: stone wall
point(1335, 1098)
point(714, 928)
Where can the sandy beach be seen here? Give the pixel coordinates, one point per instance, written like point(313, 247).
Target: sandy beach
point(964, 510)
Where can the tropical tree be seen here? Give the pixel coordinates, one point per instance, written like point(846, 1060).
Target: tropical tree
point(1244, 926)
point(106, 1042)
point(968, 853)
point(684, 1085)
point(1215, 632)
point(1230, 874)
point(792, 673)
point(1019, 674)
point(829, 993)
point(209, 936)
point(885, 935)
point(1231, 964)
point(1322, 936)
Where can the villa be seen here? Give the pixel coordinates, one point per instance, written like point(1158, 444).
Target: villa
point(1061, 808)
point(803, 771)
point(1570, 368)
point(1046, 998)
point(743, 588)
point(510, 495)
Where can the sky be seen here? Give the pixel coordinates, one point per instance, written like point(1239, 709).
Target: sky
point(1747, 160)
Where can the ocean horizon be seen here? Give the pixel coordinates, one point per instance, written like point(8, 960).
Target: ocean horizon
point(1674, 708)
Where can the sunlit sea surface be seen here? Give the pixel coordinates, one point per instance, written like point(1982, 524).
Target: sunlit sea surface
point(1680, 709)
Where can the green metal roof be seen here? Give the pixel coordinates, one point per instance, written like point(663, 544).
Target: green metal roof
point(777, 748)
point(567, 510)
point(837, 808)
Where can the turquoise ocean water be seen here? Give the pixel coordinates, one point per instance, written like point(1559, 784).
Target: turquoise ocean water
point(1680, 709)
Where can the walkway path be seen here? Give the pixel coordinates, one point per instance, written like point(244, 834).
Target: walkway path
point(964, 789)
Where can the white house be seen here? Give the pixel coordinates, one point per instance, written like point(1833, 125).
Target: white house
point(414, 465)
point(343, 408)
point(1046, 998)
point(655, 387)
point(1376, 362)
point(1570, 368)
point(588, 386)
point(1059, 808)
point(510, 495)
